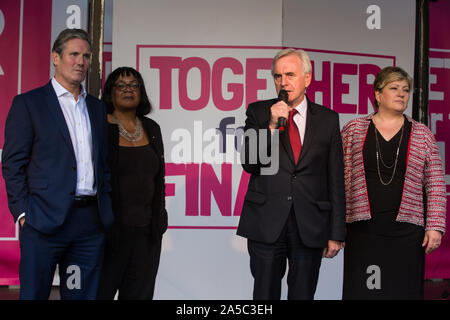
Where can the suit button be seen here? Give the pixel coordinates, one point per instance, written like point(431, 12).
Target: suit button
point(74, 168)
point(289, 198)
point(72, 193)
point(294, 176)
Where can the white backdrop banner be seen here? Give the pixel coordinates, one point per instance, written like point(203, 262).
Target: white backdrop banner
point(203, 62)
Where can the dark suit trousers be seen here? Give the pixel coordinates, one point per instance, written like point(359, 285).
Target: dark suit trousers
point(131, 264)
point(268, 265)
point(77, 248)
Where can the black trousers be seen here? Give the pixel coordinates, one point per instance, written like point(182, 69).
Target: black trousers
point(268, 265)
point(131, 264)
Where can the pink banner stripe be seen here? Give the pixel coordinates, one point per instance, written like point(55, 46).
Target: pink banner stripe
point(36, 45)
point(139, 46)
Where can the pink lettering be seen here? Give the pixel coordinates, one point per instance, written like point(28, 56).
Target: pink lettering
point(191, 172)
point(331, 84)
point(242, 190)
point(323, 86)
point(340, 88)
point(165, 66)
point(366, 88)
point(253, 83)
point(210, 185)
point(216, 86)
point(205, 74)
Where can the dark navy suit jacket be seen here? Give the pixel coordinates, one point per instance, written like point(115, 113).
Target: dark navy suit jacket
point(38, 160)
point(314, 187)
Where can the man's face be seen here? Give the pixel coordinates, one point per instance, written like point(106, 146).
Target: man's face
point(288, 75)
point(73, 63)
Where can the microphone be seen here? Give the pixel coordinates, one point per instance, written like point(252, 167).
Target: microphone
point(282, 96)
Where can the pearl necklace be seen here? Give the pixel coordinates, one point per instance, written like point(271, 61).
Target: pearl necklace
point(135, 136)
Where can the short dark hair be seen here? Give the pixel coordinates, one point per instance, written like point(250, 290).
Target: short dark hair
point(144, 107)
point(68, 34)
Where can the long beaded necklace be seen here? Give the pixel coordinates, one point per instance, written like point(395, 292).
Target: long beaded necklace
point(379, 156)
point(135, 136)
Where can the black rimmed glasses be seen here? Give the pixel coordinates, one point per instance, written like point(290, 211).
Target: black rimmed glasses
point(130, 86)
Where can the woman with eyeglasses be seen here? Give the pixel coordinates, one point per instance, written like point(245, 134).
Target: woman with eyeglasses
point(395, 194)
point(136, 159)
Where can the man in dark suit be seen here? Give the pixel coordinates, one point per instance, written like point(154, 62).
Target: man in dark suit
point(296, 214)
point(57, 179)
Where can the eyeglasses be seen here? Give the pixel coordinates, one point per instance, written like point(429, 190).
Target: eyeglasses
point(132, 86)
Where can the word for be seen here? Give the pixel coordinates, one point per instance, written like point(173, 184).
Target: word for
point(256, 140)
point(212, 145)
point(225, 130)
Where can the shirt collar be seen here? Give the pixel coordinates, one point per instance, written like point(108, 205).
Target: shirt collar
point(60, 90)
point(301, 108)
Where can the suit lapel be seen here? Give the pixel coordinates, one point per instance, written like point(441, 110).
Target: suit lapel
point(286, 143)
point(311, 125)
point(151, 135)
point(91, 111)
point(55, 109)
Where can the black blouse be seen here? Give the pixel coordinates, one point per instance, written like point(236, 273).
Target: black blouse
point(136, 168)
point(385, 199)
point(158, 223)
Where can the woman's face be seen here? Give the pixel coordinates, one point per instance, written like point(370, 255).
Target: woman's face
point(394, 96)
point(126, 93)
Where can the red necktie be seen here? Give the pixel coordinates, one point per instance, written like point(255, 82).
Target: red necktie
point(294, 135)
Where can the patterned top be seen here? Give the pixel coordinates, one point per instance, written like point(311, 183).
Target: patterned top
point(423, 169)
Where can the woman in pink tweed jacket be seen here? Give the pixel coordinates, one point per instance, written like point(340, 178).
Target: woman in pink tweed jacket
point(395, 193)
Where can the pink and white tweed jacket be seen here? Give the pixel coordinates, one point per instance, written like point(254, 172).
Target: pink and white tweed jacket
point(423, 169)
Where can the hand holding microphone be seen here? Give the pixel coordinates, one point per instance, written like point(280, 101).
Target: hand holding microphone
point(279, 112)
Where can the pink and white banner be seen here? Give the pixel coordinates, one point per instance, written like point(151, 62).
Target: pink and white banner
point(186, 80)
point(202, 69)
point(438, 262)
point(25, 55)
point(24, 64)
point(202, 64)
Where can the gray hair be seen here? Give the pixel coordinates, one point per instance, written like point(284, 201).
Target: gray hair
point(306, 62)
point(68, 34)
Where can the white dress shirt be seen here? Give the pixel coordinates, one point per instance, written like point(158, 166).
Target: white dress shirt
point(300, 118)
point(77, 120)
